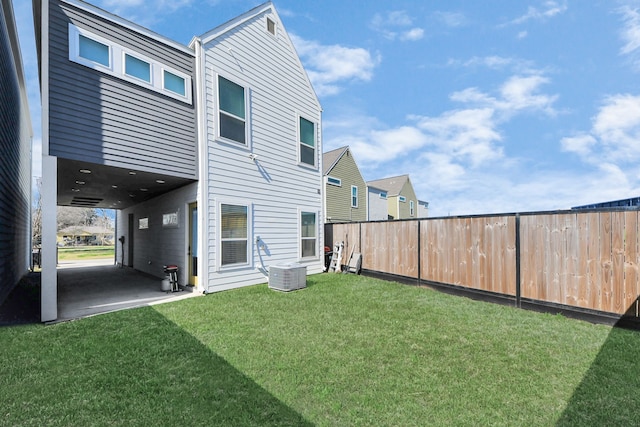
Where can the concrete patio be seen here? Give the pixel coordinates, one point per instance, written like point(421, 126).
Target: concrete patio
point(87, 288)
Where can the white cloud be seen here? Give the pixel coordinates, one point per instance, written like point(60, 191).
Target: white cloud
point(630, 32)
point(331, 66)
point(394, 25)
point(579, 144)
point(547, 10)
point(451, 19)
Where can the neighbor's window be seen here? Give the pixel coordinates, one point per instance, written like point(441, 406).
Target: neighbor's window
point(354, 196)
point(234, 234)
point(411, 208)
point(383, 195)
point(94, 51)
point(334, 181)
point(307, 133)
point(403, 199)
point(231, 99)
point(308, 234)
point(174, 83)
point(137, 68)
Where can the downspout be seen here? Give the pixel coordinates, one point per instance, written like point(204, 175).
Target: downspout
point(203, 179)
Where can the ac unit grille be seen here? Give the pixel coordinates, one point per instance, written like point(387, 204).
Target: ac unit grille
point(287, 277)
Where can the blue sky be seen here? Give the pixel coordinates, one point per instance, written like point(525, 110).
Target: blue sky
point(491, 106)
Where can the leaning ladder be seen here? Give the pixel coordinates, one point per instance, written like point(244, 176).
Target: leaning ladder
point(336, 257)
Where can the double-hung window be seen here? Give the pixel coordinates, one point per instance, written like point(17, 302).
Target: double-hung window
point(232, 107)
point(234, 233)
point(307, 140)
point(308, 234)
point(354, 196)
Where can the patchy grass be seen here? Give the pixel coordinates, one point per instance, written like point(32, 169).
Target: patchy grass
point(348, 350)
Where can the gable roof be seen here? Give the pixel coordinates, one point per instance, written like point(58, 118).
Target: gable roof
point(392, 185)
point(331, 158)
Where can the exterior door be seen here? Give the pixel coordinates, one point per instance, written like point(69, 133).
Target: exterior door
point(192, 254)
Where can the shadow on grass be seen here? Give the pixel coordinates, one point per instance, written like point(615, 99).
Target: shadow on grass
point(22, 305)
point(609, 394)
point(134, 368)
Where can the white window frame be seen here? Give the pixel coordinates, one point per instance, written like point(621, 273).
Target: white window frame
point(247, 94)
point(383, 195)
point(299, 142)
point(402, 199)
point(275, 26)
point(412, 209)
point(336, 181)
point(354, 205)
point(116, 66)
point(236, 266)
point(300, 238)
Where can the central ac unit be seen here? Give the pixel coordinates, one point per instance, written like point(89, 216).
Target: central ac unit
point(287, 277)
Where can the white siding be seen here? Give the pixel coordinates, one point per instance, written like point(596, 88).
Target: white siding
point(275, 185)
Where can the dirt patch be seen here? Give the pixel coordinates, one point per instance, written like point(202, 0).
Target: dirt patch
point(22, 306)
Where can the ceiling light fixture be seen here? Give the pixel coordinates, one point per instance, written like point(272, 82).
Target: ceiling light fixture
point(114, 186)
point(85, 170)
point(160, 181)
point(80, 182)
point(144, 189)
point(132, 172)
point(75, 190)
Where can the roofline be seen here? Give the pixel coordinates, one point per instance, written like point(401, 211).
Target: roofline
point(238, 20)
point(130, 25)
point(344, 150)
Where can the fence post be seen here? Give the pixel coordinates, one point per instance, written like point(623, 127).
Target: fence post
point(518, 295)
point(419, 261)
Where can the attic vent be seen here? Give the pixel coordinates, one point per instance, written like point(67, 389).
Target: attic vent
point(271, 26)
point(85, 202)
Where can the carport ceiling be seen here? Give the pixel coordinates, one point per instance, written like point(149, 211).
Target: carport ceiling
point(88, 185)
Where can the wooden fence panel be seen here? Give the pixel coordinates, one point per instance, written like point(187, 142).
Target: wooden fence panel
point(391, 247)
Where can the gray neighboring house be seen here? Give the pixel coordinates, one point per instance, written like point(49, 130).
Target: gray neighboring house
point(15, 159)
point(209, 153)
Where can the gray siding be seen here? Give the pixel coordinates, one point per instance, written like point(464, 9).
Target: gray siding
point(338, 199)
point(157, 245)
point(99, 118)
point(15, 162)
point(275, 185)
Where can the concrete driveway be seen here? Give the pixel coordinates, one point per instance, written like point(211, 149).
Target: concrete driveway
point(87, 288)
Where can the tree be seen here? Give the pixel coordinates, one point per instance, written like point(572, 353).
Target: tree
point(36, 216)
point(69, 216)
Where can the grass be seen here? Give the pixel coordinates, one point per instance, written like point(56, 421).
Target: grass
point(85, 252)
point(348, 350)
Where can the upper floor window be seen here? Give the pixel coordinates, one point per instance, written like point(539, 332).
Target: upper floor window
point(94, 51)
point(174, 83)
point(354, 196)
point(271, 26)
point(232, 106)
point(137, 68)
point(111, 58)
point(403, 199)
point(307, 137)
point(383, 195)
point(334, 181)
point(411, 208)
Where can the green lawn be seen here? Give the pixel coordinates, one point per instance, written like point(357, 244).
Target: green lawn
point(85, 252)
point(348, 350)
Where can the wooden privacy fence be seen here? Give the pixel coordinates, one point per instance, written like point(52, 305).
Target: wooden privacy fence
point(583, 259)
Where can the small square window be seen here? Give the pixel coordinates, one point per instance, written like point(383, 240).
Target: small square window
point(94, 51)
point(174, 83)
point(271, 26)
point(137, 68)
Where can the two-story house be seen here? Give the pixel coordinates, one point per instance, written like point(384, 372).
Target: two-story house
point(15, 158)
point(210, 153)
point(344, 187)
point(398, 194)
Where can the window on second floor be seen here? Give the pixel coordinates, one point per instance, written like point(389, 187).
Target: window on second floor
point(307, 140)
point(94, 51)
point(334, 181)
point(383, 195)
point(403, 199)
point(174, 83)
point(411, 208)
point(232, 107)
point(136, 67)
point(354, 196)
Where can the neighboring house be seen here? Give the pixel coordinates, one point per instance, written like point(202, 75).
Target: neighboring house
point(344, 188)
point(210, 153)
point(377, 205)
point(15, 158)
point(423, 209)
point(88, 235)
point(401, 198)
point(631, 203)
